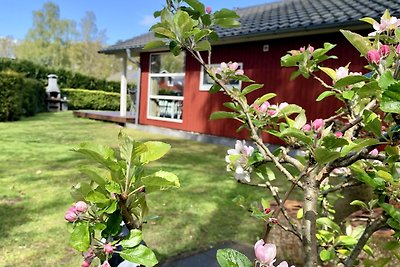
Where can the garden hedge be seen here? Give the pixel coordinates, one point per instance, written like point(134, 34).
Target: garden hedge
point(91, 99)
point(66, 78)
point(20, 96)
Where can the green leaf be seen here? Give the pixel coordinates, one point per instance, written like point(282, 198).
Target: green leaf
point(300, 120)
point(332, 142)
point(320, 52)
point(203, 45)
point(184, 23)
point(325, 255)
point(290, 109)
point(196, 5)
point(391, 210)
point(140, 255)
point(80, 191)
point(206, 19)
point(155, 151)
point(134, 239)
point(324, 95)
point(223, 115)
point(391, 98)
point(361, 43)
point(385, 175)
point(225, 14)
point(369, 20)
point(251, 88)
point(350, 80)
point(80, 238)
point(357, 145)
point(264, 98)
point(359, 203)
point(390, 106)
point(113, 187)
point(325, 221)
point(201, 34)
point(372, 123)
point(369, 89)
point(92, 173)
point(346, 240)
point(96, 197)
point(164, 33)
point(161, 180)
point(289, 60)
point(99, 153)
point(113, 225)
point(227, 23)
point(232, 258)
point(215, 88)
point(386, 80)
point(298, 134)
point(154, 45)
point(348, 94)
point(324, 155)
point(328, 71)
point(300, 214)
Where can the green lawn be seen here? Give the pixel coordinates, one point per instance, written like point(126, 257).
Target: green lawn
point(37, 169)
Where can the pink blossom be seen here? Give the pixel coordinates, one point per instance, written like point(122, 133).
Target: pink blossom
point(374, 152)
point(86, 263)
point(208, 10)
point(73, 209)
point(374, 56)
point(108, 248)
point(233, 66)
point(384, 50)
point(71, 216)
point(271, 112)
point(265, 106)
point(81, 206)
point(239, 72)
point(265, 253)
point(398, 49)
point(339, 134)
point(306, 127)
point(318, 124)
point(341, 73)
point(310, 49)
point(223, 66)
point(106, 264)
point(302, 49)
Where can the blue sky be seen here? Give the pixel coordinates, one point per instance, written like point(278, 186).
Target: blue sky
point(122, 19)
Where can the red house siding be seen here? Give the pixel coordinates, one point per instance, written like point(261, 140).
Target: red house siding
point(263, 67)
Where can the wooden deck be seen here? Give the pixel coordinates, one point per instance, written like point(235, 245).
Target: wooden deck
point(110, 116)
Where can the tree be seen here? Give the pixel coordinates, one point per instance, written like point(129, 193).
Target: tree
point(47, 40)
point(7, 47)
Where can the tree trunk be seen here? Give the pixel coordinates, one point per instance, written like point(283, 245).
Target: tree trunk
point(310, 253)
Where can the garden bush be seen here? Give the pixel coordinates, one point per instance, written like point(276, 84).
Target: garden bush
point(66, 78)
point(10, 96)
point(33, 97)
point(91, 99)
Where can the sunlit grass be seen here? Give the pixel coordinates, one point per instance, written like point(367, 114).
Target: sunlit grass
point(37, 169)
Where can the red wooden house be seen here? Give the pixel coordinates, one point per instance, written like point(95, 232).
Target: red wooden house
point(173, 92)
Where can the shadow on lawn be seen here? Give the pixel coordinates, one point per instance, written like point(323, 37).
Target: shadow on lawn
point(12, 214)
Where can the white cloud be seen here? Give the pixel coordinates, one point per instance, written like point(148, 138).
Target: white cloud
point(148, 20)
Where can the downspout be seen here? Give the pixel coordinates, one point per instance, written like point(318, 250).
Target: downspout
point(139, 75)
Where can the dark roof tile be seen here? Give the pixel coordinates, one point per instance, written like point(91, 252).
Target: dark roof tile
point(289, 16)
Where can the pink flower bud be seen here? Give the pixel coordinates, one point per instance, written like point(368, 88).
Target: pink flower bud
point(239, 72)
point(265, 253)
point(71, 216)
point(271, 112)
point(310, 49)
point(264, 106)
point(106, 264)
point(73, 209)
point(339, 134)
point(373, 56)
point(384, 50)
point(267, 210)
point(306, 127)
point(223, 66)
point(398, 49)
point(81, 206)
point(374, 152)
point(302, 49)
point(108, 248)
point(85, 263)
point(233, 66)
point(318, 124)
point(208, 10)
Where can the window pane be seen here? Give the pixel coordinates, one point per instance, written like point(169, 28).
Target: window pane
point(166, 108)
point(167, 63)
point(172, 86)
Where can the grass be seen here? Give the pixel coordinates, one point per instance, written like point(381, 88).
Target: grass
point(37, 169)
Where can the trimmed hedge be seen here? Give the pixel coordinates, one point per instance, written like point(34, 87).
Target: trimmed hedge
point(91, 99)
point(20, 96)
point(66, 78)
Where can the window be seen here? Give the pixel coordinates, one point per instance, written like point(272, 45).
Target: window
point(166, 86)
point(206, 82)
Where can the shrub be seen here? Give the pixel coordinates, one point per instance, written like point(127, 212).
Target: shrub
point(91, 99)
point(66, 78)
point(10, 96)
point(33, 97)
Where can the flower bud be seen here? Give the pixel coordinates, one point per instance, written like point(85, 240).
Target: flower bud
point(374, 56)
point(233, 66)
point(384, 50)
point(81, 206)
point(318, 124)
point(339, 134)
point(71, 216)
point(108, 248)
point(223, 66)
point(267, 210)
point(310, 49)
point(306, 127)
point(85, 263)
point(208, 10)
point(239, 72)
point(106, 264)
point(302, 49)
point(374, 152)
point(398, 49)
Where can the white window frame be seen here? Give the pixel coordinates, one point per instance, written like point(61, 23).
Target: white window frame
point(162, 97)
point(207, 87)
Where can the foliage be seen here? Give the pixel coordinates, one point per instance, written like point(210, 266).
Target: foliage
point(20, 96)
point(91, 99)
point(66, 78)
point(337, 153)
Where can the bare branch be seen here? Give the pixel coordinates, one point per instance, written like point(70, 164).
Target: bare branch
point(340, 187)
